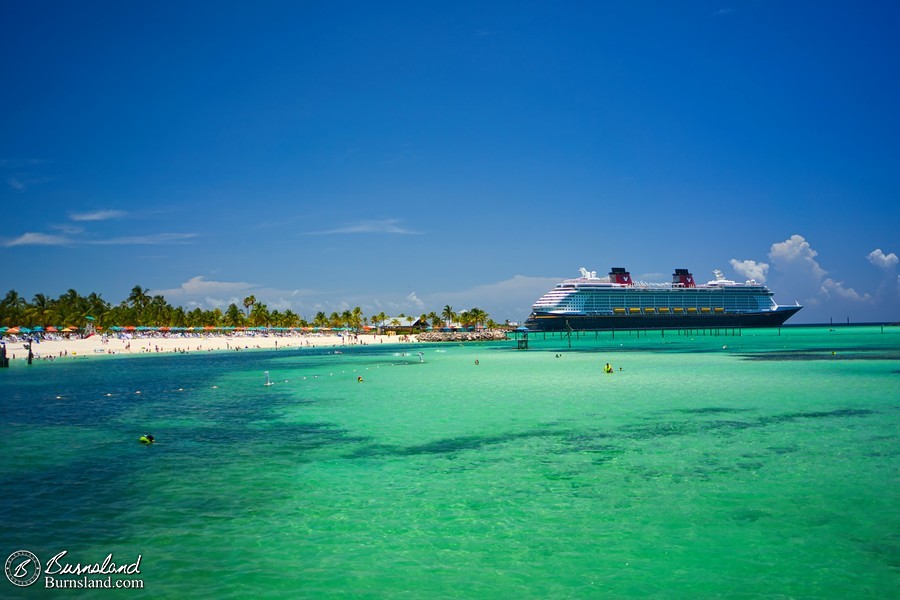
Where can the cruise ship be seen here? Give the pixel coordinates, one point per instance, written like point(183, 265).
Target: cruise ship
point(617, 302)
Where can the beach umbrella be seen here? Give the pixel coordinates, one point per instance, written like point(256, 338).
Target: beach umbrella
point(116, 328)
point(13, 330)
point(52, 329)
point(3, 328)
point(37, 329)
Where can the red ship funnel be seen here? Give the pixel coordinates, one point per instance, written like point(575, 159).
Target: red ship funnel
point(683, 278)
point(620, 275)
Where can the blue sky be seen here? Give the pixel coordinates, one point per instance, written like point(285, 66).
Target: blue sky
point(403, 156)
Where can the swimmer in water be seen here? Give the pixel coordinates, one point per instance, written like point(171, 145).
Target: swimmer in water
point(146, 439)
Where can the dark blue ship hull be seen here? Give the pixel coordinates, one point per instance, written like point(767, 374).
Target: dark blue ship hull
point(549, 322)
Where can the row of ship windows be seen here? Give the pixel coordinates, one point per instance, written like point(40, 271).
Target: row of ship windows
point(748, 304)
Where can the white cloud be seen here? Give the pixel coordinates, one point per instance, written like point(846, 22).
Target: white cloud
point(880, 259)
point(796, 255)
point(97, 215)
point(378, 226)
point(38, 239)
point(830, 287)
point(750, 269)
point(199, 286)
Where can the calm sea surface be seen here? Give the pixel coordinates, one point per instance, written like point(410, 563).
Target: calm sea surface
point(756, 466)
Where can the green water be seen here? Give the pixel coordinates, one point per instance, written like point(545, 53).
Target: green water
point(760, 465)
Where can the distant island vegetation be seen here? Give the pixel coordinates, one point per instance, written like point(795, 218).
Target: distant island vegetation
point(141, 309)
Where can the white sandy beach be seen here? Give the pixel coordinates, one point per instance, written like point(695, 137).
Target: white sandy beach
point(96, 346)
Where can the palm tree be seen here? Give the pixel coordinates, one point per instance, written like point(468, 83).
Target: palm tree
point(12, 307)
point(380, 319)
point(233, 316)
point(158, 312)
point(249, 301)
point(95, 306)
point(139, 297)
point(477, 316)
point(290, 319)
point(356, 318)
point(179, 317)
point(40, 312)
point(259, 316)
point(448, 315)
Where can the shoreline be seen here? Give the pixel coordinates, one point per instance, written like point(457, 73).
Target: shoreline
point(98, 346)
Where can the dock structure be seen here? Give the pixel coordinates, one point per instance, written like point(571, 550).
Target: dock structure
point(579, 333)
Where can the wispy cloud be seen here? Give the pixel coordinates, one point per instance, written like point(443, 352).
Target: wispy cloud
point(150, 240)
point(97, 215)
point(20, 163)
point(414, 300)
point(830, 287)
point(19, 172)
point(377, 226)
point(724, 12)
point(38, 239)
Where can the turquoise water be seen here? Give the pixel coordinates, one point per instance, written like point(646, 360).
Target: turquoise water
point(760, 465)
